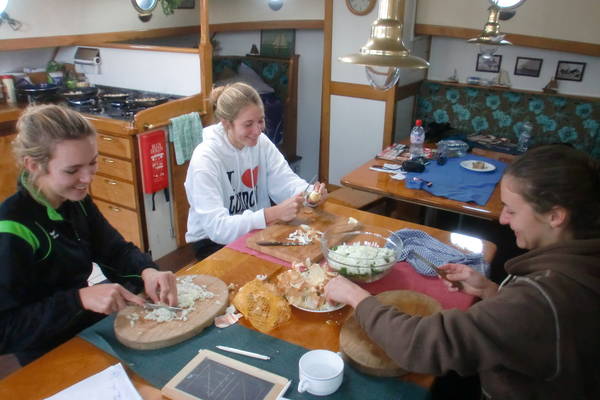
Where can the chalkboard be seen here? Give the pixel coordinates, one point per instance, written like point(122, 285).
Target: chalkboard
point(212, 376)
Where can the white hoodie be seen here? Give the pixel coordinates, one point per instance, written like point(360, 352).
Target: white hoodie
point(228, 189)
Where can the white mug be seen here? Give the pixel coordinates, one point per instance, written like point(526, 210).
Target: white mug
point(321, 372)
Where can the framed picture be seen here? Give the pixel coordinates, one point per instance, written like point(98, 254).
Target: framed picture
point(570, 71)
point(528, 66)
point(277, 42)
point(488, 64)
point(187, 4)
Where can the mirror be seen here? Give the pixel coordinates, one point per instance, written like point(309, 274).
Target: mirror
point(144, 8)
point(507, 4)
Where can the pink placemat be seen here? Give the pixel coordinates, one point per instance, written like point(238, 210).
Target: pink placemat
point(240, 245)
point(402, 277)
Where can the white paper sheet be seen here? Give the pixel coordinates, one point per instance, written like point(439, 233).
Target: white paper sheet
point(110, 384)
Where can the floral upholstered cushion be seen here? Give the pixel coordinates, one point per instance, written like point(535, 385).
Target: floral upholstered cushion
point(501, 112)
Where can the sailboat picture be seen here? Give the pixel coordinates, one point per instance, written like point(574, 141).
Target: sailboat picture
point(277, 42)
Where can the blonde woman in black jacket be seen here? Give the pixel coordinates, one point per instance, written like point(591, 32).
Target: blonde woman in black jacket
point(51, 232)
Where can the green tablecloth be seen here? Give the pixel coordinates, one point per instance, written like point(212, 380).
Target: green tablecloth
point(159, 366)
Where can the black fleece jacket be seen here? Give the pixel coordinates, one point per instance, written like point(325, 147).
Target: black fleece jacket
point(46, 257)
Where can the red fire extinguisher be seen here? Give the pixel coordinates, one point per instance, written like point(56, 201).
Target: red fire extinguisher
point(153, 156)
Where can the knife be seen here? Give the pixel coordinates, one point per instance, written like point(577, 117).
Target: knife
point(155, 306)
point(438, 271)
point(275, 243)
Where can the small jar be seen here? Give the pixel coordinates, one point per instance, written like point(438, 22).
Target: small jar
point(8, 86)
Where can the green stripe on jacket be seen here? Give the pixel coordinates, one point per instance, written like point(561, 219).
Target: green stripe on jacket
point(20, 230)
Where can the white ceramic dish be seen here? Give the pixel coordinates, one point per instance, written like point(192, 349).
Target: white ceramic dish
point(329, 308)
point(468, 164)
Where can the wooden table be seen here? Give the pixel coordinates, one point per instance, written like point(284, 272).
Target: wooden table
point(381, 183)
point(77, 359)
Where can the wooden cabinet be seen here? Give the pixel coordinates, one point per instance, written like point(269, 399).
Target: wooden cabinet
point(8, 168)
point(115, 187)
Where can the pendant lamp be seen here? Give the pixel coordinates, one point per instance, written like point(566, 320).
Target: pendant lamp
point(385, 53)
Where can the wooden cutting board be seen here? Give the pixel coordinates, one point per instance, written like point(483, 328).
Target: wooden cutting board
point(314, 217)
point(368, 357)
point(148, 334)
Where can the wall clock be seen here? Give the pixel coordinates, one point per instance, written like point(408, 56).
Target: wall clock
point(360, 7)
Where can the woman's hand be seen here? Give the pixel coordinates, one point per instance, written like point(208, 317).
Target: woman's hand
point(472, 281)
point(106, 298)
point(317, 196)
point(342, 290)
point(284, 211)
point(161, 286)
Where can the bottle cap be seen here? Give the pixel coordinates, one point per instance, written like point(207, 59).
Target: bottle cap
point(418, 122)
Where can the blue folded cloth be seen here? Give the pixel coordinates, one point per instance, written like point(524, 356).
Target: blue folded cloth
point(436, 252)
point(185, 132)
point(457, 183)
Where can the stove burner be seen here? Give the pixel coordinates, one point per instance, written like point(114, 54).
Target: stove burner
point(82, 102)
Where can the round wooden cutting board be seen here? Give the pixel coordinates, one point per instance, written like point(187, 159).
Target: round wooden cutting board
point(368, 357)
point(148, 334)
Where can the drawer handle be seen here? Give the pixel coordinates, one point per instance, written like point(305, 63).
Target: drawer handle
point(108, 181)
point(107, 138)
point(109, 160)
point(115, 209)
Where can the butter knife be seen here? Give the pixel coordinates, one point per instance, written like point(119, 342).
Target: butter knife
point(275, 243)
point(438, 271)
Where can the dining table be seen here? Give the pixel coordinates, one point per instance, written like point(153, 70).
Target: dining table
point(381, 183)
point(78, 359)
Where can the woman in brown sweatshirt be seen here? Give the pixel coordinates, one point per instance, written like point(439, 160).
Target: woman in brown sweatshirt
point(537, 335)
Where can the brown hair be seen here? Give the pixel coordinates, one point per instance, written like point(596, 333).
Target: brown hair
point(559, 175)
point(230, 99)
point(40, 128)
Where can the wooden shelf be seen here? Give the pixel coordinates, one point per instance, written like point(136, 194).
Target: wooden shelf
point(509, 89)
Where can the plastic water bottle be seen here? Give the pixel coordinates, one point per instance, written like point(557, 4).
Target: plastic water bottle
point(524, 137)
point(417, 137)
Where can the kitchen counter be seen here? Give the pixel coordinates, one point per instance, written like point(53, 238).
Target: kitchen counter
point(10, 113)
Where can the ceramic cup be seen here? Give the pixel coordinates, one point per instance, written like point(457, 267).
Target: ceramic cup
point(321, 372)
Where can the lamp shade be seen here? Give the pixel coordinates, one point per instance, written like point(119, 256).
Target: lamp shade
point(491, 35)
point(385, 47)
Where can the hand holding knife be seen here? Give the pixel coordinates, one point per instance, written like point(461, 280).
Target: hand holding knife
point(438, 271)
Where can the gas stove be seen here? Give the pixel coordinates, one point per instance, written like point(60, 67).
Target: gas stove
point(117, 103)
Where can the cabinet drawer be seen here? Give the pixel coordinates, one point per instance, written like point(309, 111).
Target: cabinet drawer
point(123, 220)
point(114, 146)
point(115, 167)
point(115, 191)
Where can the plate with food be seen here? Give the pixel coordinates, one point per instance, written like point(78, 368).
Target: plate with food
point(323, 309)
point(303, 286)
point(477, 165)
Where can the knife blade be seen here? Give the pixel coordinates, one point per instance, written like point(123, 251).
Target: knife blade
point(275, 243)
point(155, 306)
point(438, 271)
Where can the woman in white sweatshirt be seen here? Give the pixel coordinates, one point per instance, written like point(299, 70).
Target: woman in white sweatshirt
point(237, 173)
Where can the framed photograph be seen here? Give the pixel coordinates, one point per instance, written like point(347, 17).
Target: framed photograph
point(187, 4)
point(277, 42)
point(570, 71)
point(528, 66)
point(488, 64)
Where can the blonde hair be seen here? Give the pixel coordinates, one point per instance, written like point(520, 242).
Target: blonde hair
point(230, 99)
point(40, 128)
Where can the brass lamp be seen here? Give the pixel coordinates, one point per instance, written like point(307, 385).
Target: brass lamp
point(385, 53)
point(490, 37)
